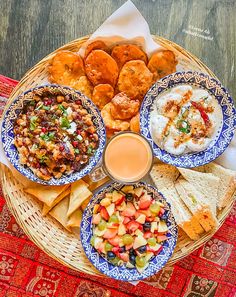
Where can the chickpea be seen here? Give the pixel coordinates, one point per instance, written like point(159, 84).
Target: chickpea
point(60, 99)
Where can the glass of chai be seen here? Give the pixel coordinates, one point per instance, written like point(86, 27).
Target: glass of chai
point(127, 158)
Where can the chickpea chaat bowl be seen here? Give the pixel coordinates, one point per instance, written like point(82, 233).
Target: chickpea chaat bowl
point(53, 134)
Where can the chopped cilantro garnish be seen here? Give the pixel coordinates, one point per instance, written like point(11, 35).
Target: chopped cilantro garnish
point(62, 108)
point(183, 126)
point(48, 136)
point(90, 150)
point(33, 123)
point(43, 159)
point(46, 107)
point(65, 123)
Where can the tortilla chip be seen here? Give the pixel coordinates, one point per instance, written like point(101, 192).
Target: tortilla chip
point(79, 193)
point(46, 194)
point(85, 203)
point(75, 219)
point(59, 212)
point(47, 208)
point(95, 185)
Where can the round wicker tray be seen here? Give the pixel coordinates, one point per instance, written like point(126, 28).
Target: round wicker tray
point(45, 232)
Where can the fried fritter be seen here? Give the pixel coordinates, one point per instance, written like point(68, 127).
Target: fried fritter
point(65, 67)
point(95, 45)
point(102, 94)
point(127, 52)
point(83, 85)
point(123, 108)
point(134, 123)
point(110, 122)
point(162, 63)
point(101, 68)
point(135, 79)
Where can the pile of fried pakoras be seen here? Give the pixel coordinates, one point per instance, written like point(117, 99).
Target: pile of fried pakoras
point(116, 79)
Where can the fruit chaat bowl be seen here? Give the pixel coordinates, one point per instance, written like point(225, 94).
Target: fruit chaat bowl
point(128, 232)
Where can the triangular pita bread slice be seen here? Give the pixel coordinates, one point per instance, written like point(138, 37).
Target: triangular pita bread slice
point(75, 219)
point(59, 212)
point(79, 193)
point(46, 194)
point(206, 183)
point(47, 208)
point(164, 175)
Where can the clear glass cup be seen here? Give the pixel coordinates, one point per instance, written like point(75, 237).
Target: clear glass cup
point(101, 170)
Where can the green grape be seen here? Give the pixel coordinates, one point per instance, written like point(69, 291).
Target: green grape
point(113, 219)
point(92, 240)
point(140, 261)
point(155, 208)
point(102, 225)
point(127, 239)
point(152, 241)
point(108, 247)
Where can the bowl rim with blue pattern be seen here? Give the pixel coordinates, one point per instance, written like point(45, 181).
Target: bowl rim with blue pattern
point(223, 138)
point(121, 272)
point(7, 134)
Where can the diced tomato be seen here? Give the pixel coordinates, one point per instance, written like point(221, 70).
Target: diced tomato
point(61, 148)
point(145, 201)
point(115, 249)
point(44, 129)
point(75, 143)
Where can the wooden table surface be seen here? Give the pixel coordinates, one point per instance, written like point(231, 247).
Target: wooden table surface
point(31, 29)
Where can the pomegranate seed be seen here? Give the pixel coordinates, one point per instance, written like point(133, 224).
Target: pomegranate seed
point(78, 102)
point(49, 101)
point(37, 165)
point(44, 129)
point(61, 148)
point(78, 132)
point(79, 117)
point(75, 143)
point(46, 103)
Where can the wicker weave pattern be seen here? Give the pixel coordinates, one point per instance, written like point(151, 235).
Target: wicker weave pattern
point(45, 232)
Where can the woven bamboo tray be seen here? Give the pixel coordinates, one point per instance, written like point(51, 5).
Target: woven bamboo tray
point(45, 232)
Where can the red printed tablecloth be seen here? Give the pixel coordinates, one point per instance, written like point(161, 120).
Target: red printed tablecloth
point(25, 270)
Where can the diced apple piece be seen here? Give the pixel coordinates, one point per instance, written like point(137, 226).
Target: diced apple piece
point(121, 229)
point(161, 238)
point(97, 232)
point(145, 201)
point(116, 196)
point(127, 189)
point(101, 247)
point(110, 209)
point(141, 219)
point(149, 255)
point(129, 211)
point(156, 247)
point(109, 195)
point(97, 241)
point(110, 233)
point(122, 206)
point(162, 227)
point(138, 191)
point(105, 202)
point(96, 218)
point(138, 232)
point(139, 241)
point(124, 257)
point(114, 241)
point(154, 226)
point(129, 265)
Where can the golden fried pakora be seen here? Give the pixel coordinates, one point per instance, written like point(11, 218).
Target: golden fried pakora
point(135, 79)
point(123, 108)
point(102, 94)
point(65, 67)
point(101, 68)
point(110, 122)
point(134, 123)
point(95, 45)
point(162, 63)
point(83, 85)
point(127, 52)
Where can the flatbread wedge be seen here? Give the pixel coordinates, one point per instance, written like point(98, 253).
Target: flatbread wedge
point(79, 193)
point(46, 194)
point(59, 212)
point(75, 219)
point(47, 208)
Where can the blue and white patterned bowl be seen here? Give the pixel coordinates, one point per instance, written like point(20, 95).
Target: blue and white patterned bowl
point(225, 134)
point(12, 154)
point(121, 272)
